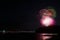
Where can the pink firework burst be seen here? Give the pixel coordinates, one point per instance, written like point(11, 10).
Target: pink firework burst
point(47, 21)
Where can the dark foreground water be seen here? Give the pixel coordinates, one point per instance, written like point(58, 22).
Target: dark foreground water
point(18, 36)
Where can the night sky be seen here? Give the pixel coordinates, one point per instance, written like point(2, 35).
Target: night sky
point(22, 15)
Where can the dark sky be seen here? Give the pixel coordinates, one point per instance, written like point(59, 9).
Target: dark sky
point(22, 15)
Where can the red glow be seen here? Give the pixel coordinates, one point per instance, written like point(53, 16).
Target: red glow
point(45, 12)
